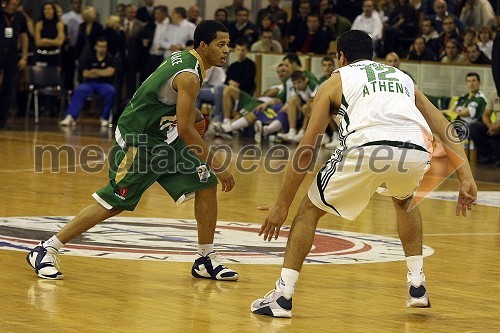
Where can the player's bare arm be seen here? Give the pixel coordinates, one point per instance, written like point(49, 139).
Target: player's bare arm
point(438, 124)
point(330, 94)
point(187, 86)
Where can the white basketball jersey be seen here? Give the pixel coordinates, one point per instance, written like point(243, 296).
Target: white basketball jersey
point(378, 103)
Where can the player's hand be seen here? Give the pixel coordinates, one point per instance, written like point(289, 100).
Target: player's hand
point(466, 197)
point(284, 108)
point(226, 179)
point(274, 221)
point(261, 107)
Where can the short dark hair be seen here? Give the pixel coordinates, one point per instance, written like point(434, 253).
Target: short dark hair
point(473, 74)
point(355, 45)
point(298, 75)
point(221, 10)
point(292, 57)
point(207, 31)
point(242, 42)
point(161, 8)
point(100, 39)
point(181, 11)
point(330, 59)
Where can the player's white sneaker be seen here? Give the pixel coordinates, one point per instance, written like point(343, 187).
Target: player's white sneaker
point(45, 262)
point(258, 128)
point(417, 295)
point(223, 131)
point(68, 121)
point(274, 304)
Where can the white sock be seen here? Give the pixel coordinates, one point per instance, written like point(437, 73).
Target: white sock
point(204, 249)
point(226, 121)
point(273, 127)
point(54, 243)
point(292, 131)
point(415, 269)
point(287, 281)
point(239, 124)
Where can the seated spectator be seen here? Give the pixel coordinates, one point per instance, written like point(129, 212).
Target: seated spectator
point(98, 72)
point(469, 39)
point(271, 120)
point(369, 21)
point(327, 67)
point(419, 51)
point(298, 23)
point(279, 16)
point(266, 43)
point(449, 32)
point(427, 7)
point(221, 16)
point(266, 22)
point(232, 10)
point(485, 42)
point(193, 15)
point(242, 28)
point(402, 24)
point(335, 24)
point(215, 77)
point(241, 73)
point(313, 40)
point(476, 56)
point(469, 108)
point(429, 32)
point(486, 135)
point(441, 9)
point(296, 105)
point(477, 14)
point(453, 54)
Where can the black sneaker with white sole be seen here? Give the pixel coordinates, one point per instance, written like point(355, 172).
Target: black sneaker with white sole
point(45, 262)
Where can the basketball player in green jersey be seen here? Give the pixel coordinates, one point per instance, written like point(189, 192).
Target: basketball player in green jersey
point(154, 142)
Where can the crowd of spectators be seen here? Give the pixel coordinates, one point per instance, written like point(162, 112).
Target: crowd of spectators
point(139, 37)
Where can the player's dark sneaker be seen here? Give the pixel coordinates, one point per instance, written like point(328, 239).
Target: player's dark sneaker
point(209, 267)
point(45, 262)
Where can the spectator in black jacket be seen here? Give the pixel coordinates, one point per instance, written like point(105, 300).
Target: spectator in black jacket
point(476, 56)
point(146, 13)
point(242, 28)
point(420, 52)
point(314, 39)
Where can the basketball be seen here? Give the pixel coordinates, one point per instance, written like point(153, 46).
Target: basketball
point(200, 122)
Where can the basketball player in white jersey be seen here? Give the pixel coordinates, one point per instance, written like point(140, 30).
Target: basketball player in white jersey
point(385, 125)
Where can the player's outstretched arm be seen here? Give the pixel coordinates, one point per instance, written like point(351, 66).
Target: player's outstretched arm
point(302, 158)
point(438, 124)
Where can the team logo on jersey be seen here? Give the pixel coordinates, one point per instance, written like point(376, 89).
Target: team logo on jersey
point(176, 240)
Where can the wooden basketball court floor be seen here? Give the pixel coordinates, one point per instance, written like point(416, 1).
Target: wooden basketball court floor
point(112, 295)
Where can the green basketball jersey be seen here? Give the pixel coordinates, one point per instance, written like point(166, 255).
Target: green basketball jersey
point(149, 119)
